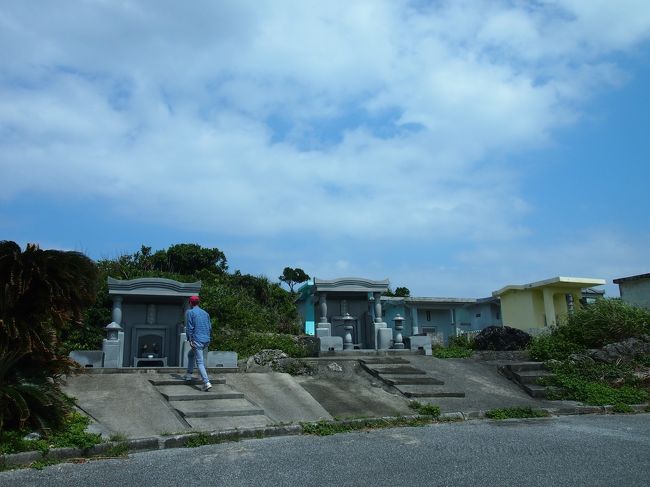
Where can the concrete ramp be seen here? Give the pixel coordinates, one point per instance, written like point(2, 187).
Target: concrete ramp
point(127, 404)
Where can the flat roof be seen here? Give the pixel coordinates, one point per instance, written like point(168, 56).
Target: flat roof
point(631, 278)
point(559, 281)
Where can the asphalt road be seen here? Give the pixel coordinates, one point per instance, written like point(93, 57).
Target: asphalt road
point(564, 451)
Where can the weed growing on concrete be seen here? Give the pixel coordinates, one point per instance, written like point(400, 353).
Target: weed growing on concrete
point(425, 409)
point(117, 437)
point(200, 439)
point(41, 464)
point(120, 449)
point(516, 413)
point(622, 408)
point(326, 428)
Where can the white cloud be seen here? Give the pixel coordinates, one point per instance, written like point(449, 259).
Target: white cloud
point(165, 108)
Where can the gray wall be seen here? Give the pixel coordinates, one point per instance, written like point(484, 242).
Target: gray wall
point(636, 292)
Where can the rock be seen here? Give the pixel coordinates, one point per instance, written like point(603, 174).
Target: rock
point(334, 367)
point(501, 338)
point(264, 360)
point(623, 351)
point(581, 359)
point(33, 436)
point(294, 366)
point(269, 357)
point(643, 376)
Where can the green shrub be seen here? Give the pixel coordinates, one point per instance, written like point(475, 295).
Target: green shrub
point(461, 341)
point(593, 326)
point(451, 352)
point(250, 343)
point(605, 321)
point(552, 347)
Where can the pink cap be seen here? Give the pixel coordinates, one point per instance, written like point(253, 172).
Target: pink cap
point(194, 300)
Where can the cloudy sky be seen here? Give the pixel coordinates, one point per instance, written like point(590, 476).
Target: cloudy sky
point(453, 147)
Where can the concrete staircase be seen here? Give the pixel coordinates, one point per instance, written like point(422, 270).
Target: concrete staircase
point(222, 407)
point(408, 380)
point(527, 375)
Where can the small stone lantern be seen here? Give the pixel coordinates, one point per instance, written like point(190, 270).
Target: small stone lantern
point(112, 331)
point(399, 325)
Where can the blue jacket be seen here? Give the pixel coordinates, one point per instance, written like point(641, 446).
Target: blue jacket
point(197, 325)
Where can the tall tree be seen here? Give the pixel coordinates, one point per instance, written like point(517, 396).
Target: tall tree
point(402, 292)
point(291, 276)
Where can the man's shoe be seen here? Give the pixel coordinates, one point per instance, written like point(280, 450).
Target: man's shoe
point(207, 387)
point(188, 377)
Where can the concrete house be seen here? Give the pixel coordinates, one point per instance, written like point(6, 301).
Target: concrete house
point(359, 303)
point(635, 289)
point(537, 305)
point(442, 318)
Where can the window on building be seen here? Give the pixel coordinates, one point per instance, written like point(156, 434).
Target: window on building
point(428, 315)
point(478, 315)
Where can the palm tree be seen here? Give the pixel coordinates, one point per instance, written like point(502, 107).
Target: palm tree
point(42, 292)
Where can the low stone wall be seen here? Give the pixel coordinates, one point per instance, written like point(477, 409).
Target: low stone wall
point(519, 355)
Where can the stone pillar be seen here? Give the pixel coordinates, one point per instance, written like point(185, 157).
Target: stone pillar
point(117, 309)
point(569, 303)
point(348, 322)
point(378, 312)
point(151, 314)
point(323, 328)
point(549, 307)
point(399, 325)
point(113, 346)
point(414, 321)
point(381, 332)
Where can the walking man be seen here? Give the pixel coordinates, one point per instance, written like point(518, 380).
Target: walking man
point(197, 329)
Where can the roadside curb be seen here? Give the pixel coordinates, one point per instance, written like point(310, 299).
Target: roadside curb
point(104, 450)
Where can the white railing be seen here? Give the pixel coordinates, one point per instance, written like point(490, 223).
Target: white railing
point(470, 333)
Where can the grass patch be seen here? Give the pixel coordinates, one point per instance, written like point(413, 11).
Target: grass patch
point(591, 384)
point(516, 413)
point(72, 434)
point(622, 408)
point(451, 352)
point(425, 409)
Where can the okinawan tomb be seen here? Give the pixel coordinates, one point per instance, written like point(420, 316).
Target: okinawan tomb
point(148, 322)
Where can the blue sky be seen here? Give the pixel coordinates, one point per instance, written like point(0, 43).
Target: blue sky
point(453, 147)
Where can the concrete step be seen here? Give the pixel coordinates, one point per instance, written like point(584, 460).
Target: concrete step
point(421, 391)
point(393, 370)
point(186, 392)
point(229, 422)
point(535, 390)
point(216, 408)
point(172, 381)
point(412, 380)
point(525, 366)
point(531, 376)
point(384, 360)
